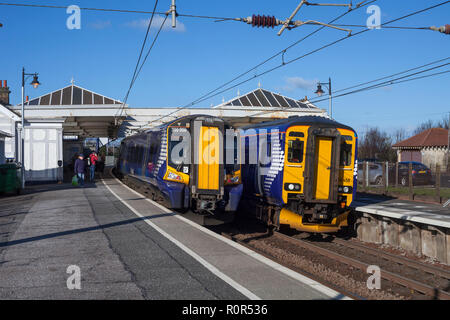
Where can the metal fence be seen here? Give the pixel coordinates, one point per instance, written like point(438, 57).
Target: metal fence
point(411, 180)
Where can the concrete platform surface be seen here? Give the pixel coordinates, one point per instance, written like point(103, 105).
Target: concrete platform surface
point(422, 212)
point(127, 247)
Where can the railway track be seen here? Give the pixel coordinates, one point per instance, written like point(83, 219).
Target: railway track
point(351, 295)
point(385, 274)
point(344, 259)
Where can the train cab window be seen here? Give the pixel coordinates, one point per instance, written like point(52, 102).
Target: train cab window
point(179, 148)
point(295, 151)
point(296, 134)
point(346, 151)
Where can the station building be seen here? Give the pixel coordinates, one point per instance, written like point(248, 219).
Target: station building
point(429, 147)
point(58, 123)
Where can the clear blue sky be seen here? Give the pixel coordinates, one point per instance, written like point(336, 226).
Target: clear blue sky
point(203, 54)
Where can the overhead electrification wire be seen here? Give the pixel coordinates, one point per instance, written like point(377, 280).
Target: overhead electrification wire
point(133, 78)
point(114, 10)
point(392, 75)
point(390, 82)
point(386, 84)
point(385, 27)
point(282, 52)
point(301, 57)
point(145, 59)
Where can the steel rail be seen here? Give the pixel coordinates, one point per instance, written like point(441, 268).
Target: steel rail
point(390, 276)
point(394, 258)
point(140, 187)
point(331, 285)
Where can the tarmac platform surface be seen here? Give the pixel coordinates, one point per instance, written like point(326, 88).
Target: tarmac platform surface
point(128, 247)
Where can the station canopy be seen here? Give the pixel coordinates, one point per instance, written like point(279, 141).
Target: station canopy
point(264, 98)
point(84, 113)
point(71, 95)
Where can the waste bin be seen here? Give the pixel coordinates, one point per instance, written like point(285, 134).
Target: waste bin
point(9, 179)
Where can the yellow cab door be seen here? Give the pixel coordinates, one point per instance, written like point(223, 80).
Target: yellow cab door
point(322, 167)
point(294, 166)
point(208, 158)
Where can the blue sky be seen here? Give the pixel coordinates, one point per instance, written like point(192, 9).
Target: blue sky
point(202, 54)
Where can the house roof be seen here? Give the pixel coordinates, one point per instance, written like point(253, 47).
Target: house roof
point(263, 98)
point(71, 95)
point(434, 137)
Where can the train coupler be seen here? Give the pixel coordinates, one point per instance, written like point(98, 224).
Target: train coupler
point(295, 221)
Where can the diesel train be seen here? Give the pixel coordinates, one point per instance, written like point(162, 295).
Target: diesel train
point(180, 162)
point(300, 172)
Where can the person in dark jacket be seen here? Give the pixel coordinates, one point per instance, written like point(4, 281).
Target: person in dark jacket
point(79, 168)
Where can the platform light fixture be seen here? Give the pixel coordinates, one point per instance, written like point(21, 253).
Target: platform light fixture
point(35, 83)
point(320, 92)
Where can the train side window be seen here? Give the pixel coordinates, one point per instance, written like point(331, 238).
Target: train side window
point(141, 154)
point(265, 150)
point(295, 151)
point(346, 151)
point(132, 153)
point(233, 149)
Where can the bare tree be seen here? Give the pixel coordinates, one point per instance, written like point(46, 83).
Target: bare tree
point(376, 145)
point(399, 135)
point(424, 126)
point(443, 123)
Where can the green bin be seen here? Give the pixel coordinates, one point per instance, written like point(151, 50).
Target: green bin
point(9, 178)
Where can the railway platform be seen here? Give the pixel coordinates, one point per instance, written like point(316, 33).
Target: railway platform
point(124, 246)
point(417, 227)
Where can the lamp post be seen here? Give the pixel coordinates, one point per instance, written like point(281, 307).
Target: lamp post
point(35, 83)
point(320, 92)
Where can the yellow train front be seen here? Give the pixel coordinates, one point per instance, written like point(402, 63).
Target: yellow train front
point(300, 172)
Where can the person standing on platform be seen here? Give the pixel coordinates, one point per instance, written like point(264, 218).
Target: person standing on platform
point(93, 159)
point(79, 168)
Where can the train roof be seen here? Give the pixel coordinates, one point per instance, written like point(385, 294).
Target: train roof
point(193, 116)
point(167, 124)
point(299, 120)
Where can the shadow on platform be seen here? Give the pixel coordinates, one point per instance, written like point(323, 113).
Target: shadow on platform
point(80, 230)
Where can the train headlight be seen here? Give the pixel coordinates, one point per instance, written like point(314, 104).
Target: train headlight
point(345, 189)
point(292, 187)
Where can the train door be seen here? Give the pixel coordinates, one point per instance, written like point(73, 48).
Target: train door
point(322, 163)
point(322, 167)
point(294, 162)
point(208, 170)
point(208, 155)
